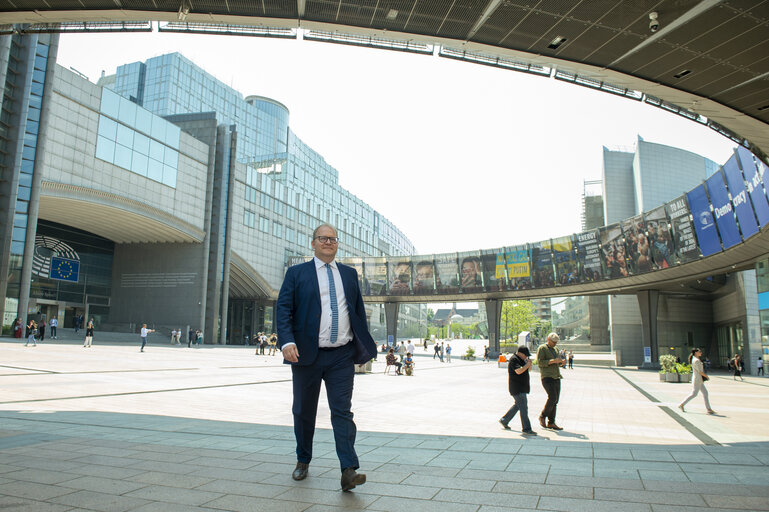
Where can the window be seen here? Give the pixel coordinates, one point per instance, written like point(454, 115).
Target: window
point(249, 218)
point(277, 229)
point(264, 201)
point(264, 224)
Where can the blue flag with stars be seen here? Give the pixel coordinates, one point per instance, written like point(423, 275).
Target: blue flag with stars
point(64, 269)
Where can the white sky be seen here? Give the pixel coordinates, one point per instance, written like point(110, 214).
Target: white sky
point(459, 156)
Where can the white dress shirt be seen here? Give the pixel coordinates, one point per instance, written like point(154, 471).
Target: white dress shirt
point(344, 330)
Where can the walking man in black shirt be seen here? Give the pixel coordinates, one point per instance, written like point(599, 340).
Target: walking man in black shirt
point(518, 383)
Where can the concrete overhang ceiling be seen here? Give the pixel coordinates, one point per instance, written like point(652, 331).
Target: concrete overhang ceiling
point(113, 217)
point(707, 57)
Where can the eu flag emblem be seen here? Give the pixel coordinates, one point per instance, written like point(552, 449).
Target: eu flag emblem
point(64, 269)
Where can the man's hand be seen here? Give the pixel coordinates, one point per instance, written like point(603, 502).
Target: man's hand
point(290, 353)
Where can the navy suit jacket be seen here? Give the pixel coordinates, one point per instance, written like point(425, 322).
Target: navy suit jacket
point(298, 310)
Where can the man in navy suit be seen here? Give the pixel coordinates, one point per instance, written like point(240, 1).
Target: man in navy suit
point(323, 333)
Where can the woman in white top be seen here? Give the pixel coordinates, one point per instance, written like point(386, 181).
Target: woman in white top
point(698, 380)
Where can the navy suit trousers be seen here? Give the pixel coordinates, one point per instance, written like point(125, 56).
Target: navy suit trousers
point(335, 368)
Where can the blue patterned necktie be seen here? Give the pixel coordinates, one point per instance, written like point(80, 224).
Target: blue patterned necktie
point(334, 305)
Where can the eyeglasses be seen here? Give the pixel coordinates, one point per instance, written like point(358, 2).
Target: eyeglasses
point(333, 240)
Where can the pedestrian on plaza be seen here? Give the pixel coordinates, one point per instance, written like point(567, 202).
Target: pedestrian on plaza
point(760, 366)
point(41, 330)
point(549, 370)
point(699, 377)
point(273, 344)
point(441, 351)
point(262, 343)
point(410, 347)
point(173, 337)
point(31, 333)
point(323, 332)
point(78, 322)
point(518, 385)
point(17, 328)
point(448, 352)
point(88, 334)
point(425, 344)
point(737, 366)
point(190, 337)
point(391, 360)
point(54, 323)
point(571, 359)
point(402, 351)
point(144, 332)
point(198, 337)
point(437, 349)
point(485, 354)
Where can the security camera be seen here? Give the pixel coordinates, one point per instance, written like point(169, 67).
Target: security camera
point(654, 25)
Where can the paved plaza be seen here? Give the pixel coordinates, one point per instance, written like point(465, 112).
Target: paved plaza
point(113, 429)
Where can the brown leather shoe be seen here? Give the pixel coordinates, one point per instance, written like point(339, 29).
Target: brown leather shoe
point(542, 421)
point(553, 426)
point(350, 479)
point(300, 473)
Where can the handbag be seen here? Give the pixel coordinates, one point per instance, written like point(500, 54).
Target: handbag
point(705, 378)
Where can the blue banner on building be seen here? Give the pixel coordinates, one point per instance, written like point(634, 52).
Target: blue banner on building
point(704, 226)
point(740, 200)
point(723, 210)
point(755, 184)
point(64, 269)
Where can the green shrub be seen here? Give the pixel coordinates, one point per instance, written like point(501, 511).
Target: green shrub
point(668, 363)
point(470, 352)
point(683, 368)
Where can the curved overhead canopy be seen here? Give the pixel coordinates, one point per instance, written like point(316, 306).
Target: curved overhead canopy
point(708, 57)
point(245, 281)
point(113, 217)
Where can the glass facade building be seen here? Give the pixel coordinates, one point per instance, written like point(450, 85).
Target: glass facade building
point(288, 188)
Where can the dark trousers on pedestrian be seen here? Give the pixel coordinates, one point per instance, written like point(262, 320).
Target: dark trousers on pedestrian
point(553, 389)
point(334, 367)
point(760, 370)
point(522, 406)
point(53, 331)
point(144, 342)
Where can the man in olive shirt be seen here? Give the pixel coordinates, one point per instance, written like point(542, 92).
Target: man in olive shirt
point(549, 369)
point(518, 384)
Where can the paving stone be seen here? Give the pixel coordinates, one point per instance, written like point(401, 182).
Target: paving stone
point(260, 490)
point(173, 495)
point(388, 504)
point(169, 479)
point(577, 505)
point(33, 490)
point(487, 498)
point(99, 501)
point(567, 491)
point(590, 481)
point(669, 498)
point(14, 504)
point(450, 483)
point(737, 502)
point(335, 498)
point(504, 476)
point(40, 476)
point(105, 485)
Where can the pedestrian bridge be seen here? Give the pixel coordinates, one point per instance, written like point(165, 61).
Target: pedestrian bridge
point(716, 228)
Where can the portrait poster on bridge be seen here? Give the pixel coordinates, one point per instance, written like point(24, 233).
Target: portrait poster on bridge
point(518, 262)
point(565, 258)
point(589, 256)
point(636, 245)
point(424, 275)
point(357, 264)
point(375, 273)
point(704, 225)
point(399, 275)
point(723, 210)
point(682, 231)
point(613, 252)
point(742, 204)
point(543, 275)
point(494, 275)
point(470, 272)
point(755, 185)
point(661, 248)
point(446, 273)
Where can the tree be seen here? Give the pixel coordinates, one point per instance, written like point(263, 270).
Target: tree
point(430, 316)
point(517, 316)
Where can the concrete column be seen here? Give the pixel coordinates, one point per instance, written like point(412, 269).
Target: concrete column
point(493, 319)
point(648, 301)
point(37, 177)
point(391, 319)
